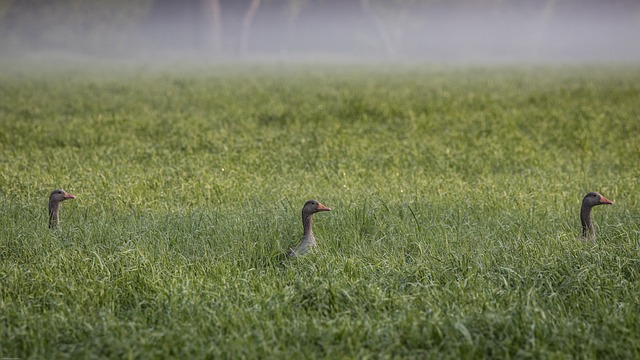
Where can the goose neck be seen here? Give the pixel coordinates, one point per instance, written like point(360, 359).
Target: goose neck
point(307, 220)
point(54, 209)
point(585, 219)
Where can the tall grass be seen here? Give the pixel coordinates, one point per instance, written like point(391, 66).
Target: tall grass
point(455, 195)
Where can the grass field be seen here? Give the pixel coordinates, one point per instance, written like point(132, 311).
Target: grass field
point(455, 196)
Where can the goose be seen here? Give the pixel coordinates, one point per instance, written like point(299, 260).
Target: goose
point(308, 240)
point(57, 196)
point(590, 200)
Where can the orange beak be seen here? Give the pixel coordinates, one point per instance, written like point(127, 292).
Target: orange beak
point(68, 196)
point(605, 201)
point(323, 208)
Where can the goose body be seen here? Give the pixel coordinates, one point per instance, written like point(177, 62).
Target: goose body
point(57, 196)
point(590, 200)
point(308, 241)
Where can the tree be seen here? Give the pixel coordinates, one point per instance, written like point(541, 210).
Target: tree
point(247, 21)
point(213, 9)
point(380, 27)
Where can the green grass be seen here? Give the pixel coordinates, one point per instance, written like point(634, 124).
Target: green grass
point(455, 196)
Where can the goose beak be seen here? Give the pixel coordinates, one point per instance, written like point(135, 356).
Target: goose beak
point(605, 201)
point(68, 196)
point(323, 208)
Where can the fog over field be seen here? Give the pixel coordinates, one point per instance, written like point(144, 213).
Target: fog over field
point(437, 31)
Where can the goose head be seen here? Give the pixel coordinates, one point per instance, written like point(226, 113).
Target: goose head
point(313, 206)
point(59, 195)
point(593, 198)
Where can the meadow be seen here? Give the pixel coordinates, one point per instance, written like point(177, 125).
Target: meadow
point(455, 194)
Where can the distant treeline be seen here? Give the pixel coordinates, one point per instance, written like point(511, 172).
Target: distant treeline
point(354, 27)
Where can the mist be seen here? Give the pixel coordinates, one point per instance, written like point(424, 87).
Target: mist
point(512, 31)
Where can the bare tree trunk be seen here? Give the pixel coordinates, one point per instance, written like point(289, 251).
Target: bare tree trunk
point(293, 11)
point(246, 26)
point(539, 27)
point(215, 14)
point(381, 30)
point(4, 6)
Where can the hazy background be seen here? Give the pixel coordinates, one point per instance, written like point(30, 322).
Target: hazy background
point(437, 30)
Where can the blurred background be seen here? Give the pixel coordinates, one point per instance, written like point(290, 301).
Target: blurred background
point(422, 30)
